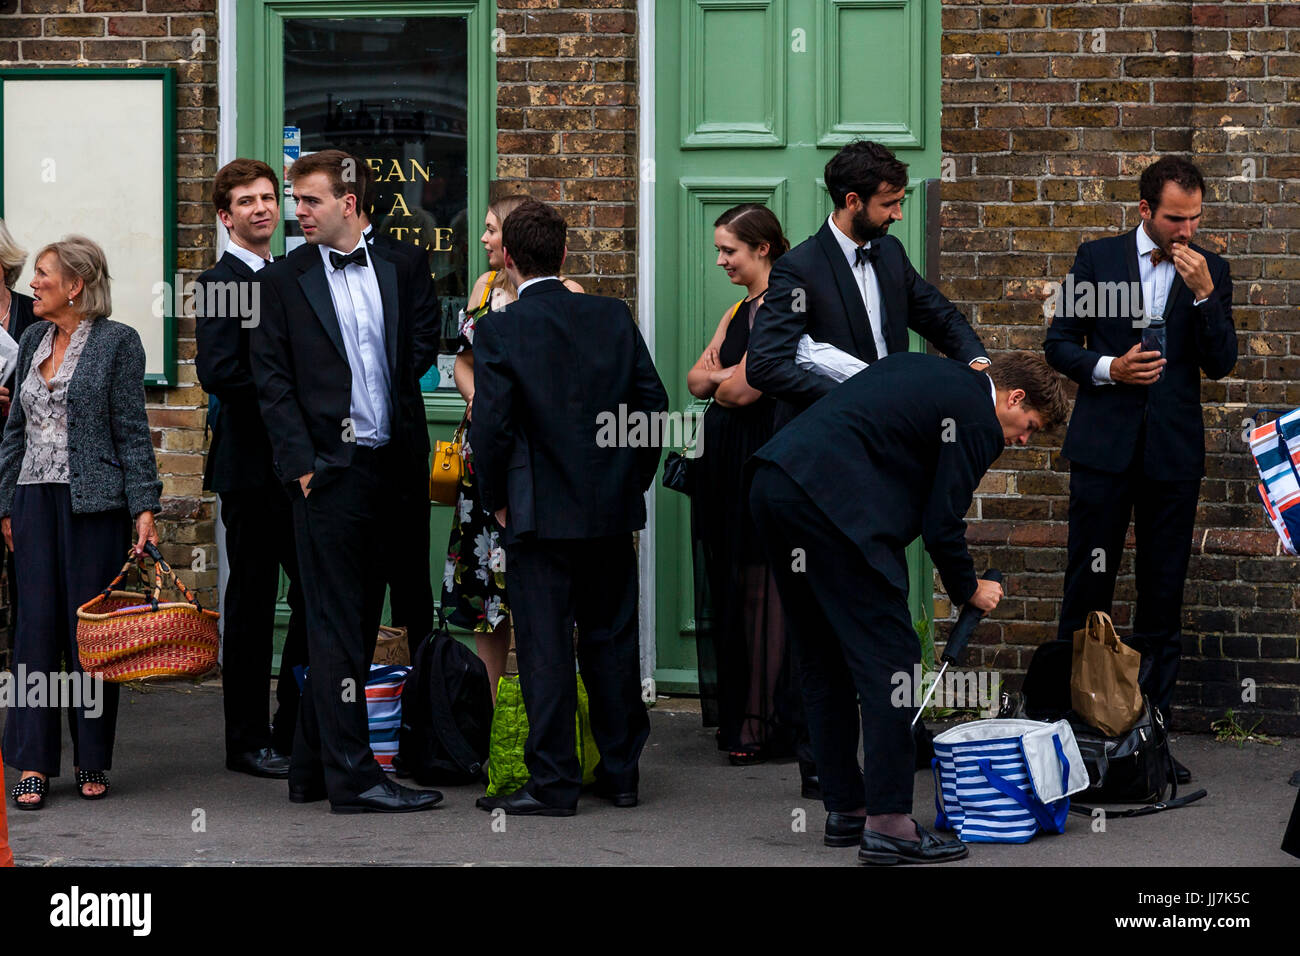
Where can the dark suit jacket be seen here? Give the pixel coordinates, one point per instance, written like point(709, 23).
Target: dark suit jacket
point(20, 314)
point(549, 370)
point(239, 456)
point(20, 317)
point(896, 451)
point(813, 291)
point(300, 367)
point(1109, 420)
point(426, 323)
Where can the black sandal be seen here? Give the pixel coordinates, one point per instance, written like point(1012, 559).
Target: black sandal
point(36, 785)
point(92, 776)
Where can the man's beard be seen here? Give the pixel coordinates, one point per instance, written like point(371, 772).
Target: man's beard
point(865, 231)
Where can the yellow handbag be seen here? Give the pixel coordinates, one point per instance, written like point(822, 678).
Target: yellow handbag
point(445, 472)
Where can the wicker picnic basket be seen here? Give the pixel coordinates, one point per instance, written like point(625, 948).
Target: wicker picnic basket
point(131, 635)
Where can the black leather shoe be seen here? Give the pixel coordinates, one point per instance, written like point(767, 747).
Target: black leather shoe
point(259, 763)
point(389, 797)
point(886, 850)
point(607, 790)
point(1181, 773)
point(810, 785)
point(306, 794)
point(844, 829)
point(523, 803)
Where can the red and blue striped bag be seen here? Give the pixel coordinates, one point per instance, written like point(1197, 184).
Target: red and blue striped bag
point(384, 710)
point(1276, 447)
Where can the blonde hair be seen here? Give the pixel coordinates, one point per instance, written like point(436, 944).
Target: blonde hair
point(83, 258)
point(501, 208)
point(12, 256)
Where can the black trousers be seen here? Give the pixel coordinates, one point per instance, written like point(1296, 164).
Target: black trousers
point(341, 529)
point(851, 632)
point(410, 600)
point(1163, 514)
point(553, 584)
point(63, 560)
point(259, 541)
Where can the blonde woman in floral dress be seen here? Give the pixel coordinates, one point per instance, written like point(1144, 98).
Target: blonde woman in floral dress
point(474, 578)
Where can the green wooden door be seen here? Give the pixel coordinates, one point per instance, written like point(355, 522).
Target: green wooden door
point(752, 97)
point(409, 86)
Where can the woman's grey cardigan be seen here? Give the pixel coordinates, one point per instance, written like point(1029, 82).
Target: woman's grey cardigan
point(111, 460)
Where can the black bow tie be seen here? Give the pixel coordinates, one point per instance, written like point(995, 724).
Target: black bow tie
point(868, 254)
point(356, 257)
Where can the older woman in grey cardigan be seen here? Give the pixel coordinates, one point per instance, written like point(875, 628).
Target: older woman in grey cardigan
point(76, 465)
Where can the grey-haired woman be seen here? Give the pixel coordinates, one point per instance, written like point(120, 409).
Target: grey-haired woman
point(76, 465)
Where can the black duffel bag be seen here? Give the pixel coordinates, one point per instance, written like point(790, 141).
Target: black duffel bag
point(446, 714)
point(1134, 767)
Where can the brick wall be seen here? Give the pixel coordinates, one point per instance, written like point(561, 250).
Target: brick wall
point(566, 126)
point(117, 33)
point(1050, 112)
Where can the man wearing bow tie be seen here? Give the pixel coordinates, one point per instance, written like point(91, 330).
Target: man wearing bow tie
point(851, 286)
point(254, 508)
point(334, 362)
point(1136, 440)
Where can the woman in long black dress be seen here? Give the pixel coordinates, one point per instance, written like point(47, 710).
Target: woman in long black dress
point(740, 632)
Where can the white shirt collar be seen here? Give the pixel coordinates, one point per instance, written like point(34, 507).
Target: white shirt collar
point(849, 247)
point(992, 388)
point(1145, 242)
point(250, 259)
point(524, 285)
point(326, 250)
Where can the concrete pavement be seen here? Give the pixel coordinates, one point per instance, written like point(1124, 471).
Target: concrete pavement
point(174, 803)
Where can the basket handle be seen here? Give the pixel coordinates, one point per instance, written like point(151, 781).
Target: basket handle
point(160, 568)
point(133, 562)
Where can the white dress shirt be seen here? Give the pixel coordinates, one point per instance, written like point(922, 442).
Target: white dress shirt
point(360, 310)
point(527, 282)
point(868, 286)
point(1156, 283)
point(250, 259)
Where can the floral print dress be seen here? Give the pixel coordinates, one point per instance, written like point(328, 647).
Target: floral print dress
point(474, 576)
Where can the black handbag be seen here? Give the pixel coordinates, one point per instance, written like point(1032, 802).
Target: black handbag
point(1134, 767)
point(678, 466)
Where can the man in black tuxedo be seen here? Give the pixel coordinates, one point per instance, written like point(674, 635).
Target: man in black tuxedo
point(254, 507)
point(851, 286)
point(333, 360)
point(1136, 441)
point(410, 600)
point(894, 452)
point(550, 371)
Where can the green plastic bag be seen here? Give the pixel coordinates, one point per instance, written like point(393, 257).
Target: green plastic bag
point(506, 769)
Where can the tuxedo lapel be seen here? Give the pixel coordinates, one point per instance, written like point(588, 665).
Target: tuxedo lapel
point(386, 273)
point(855, 313)
point(889, 271)
point(317, 290)
point(1134, 273)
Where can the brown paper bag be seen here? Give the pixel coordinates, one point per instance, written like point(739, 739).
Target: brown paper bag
point(392, 647)
point(1104, 677)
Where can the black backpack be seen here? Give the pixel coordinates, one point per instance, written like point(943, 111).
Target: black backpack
point(446, 714)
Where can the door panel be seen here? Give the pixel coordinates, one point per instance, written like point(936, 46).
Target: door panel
point(752, 98)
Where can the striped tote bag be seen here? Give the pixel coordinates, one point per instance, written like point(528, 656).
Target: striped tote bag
point(1276, 449)
point(384, 710)
point(1002, 781)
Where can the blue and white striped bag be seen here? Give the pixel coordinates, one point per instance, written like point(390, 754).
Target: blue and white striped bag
point(1001, 781)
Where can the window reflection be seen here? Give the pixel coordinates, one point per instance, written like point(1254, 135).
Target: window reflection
point(392, 90)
